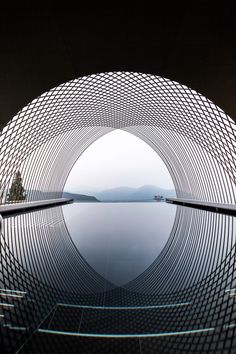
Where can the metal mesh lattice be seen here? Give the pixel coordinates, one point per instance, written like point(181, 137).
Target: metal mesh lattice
point(195, 272)
point(84, 109)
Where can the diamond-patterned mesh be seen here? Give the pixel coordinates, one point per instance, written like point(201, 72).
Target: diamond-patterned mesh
point(194, 136)
point(52, 301)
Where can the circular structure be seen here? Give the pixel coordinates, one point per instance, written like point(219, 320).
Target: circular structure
point(193, 136)
point(184, 301)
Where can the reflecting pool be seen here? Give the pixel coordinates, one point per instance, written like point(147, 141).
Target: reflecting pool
point(119, 240)
point(126, 275)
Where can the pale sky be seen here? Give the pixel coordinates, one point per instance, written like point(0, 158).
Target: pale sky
point(118, 159)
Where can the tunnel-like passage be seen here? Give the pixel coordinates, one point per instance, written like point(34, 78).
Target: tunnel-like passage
point(193, 136)
point(184, 301)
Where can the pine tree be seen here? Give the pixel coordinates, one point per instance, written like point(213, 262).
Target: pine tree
point(17, 191)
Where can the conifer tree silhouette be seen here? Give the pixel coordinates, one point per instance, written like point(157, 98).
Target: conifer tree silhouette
point(17, 191)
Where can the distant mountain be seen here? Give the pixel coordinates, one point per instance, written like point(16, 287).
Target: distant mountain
point(144, 193)
point(80, 197)
point(115, 194)
point(148, 192)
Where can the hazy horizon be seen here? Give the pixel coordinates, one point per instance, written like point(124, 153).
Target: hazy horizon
point(87, 188)
point(118, 159)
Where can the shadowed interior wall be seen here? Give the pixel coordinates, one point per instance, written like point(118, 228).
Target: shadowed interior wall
point(46, 44)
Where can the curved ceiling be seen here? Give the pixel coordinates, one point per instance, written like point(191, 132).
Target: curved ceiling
point(44, 45)
point(194, 137)
point(43, 50)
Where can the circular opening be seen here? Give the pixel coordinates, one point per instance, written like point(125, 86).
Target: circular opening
point(119, 223)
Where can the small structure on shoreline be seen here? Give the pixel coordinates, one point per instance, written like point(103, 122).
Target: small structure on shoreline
point(158, 198)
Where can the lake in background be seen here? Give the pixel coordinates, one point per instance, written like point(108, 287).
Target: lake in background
point(119, 240)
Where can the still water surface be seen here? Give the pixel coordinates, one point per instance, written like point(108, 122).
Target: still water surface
point(119, 240)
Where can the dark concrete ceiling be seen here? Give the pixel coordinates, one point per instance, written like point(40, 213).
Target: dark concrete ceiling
point(189, 42)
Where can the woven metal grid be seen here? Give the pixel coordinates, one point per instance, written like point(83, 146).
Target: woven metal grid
point(187, 129)
point(40, 266)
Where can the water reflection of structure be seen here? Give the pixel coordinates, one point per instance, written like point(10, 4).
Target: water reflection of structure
point(54, 299)
point(194, 276)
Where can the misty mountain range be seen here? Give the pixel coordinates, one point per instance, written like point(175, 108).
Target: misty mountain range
point(80, 197)
point(126, 194)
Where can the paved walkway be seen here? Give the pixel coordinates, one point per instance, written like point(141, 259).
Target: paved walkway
point(216, 207)
point(17, 208)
